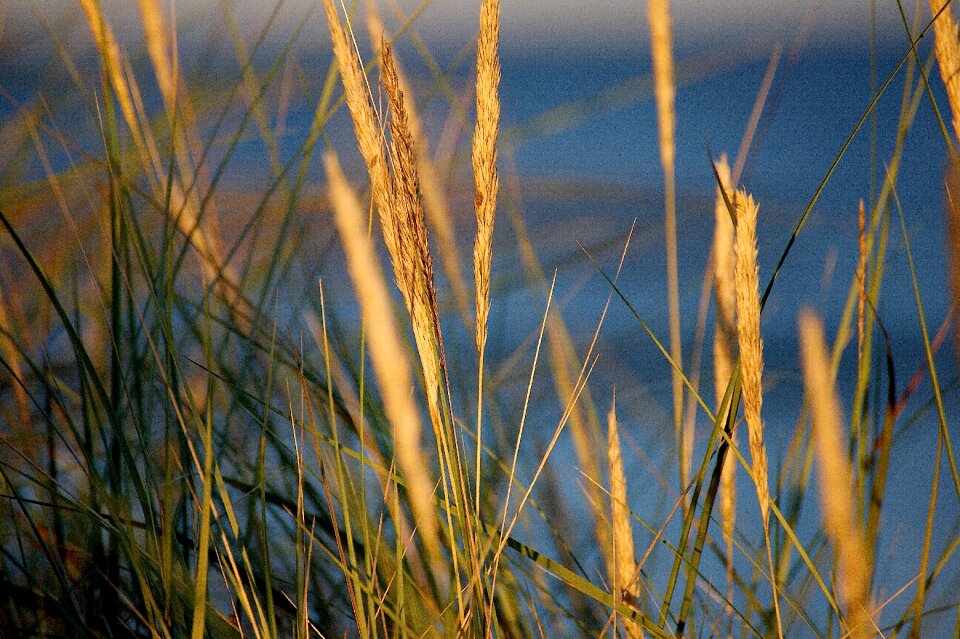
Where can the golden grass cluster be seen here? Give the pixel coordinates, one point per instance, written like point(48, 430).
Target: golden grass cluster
point(366, 123)
point(414, 264)
point(418, 545)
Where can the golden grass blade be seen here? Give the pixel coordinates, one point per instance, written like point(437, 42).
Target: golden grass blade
point(839, 513)
point(414, 268)
point(435, 204)
point(624, 575)
point(747, 287)
point(389, 360)
point(946, 38)
point(725, 352)
point(664, 91)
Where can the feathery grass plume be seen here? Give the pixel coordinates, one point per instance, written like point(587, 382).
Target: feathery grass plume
point(725, 351)
point(485, 158)
point(623, 577)
point(414, 266)
point(947, 47)
point(747, 287)
point(366, 124)
point(664, 91)
point(839, 513)
point(386, 352)
point(434, 199)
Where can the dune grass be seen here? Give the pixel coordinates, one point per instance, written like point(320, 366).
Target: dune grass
point(199, 438)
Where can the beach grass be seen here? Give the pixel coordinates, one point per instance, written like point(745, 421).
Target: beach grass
point(241, 401)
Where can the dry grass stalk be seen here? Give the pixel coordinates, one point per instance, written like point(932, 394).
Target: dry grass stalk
point(435, 203)
point(366, 123)
point(664, 91)
point(625, 585)
point(109, 51)
point(839, 513)
point(725, 351)
point(747, 286)
point(947, 47)
point(485, 158)
point(386, 352)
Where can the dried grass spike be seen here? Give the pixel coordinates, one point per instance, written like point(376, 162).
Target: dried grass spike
point(435, 206)
point(625, 586)
point(747, 284)
point(485, 158)
point(839, 514)
point(414, 266)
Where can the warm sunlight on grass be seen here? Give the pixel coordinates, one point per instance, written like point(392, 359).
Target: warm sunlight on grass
point(250, 389)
